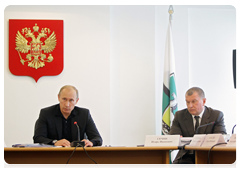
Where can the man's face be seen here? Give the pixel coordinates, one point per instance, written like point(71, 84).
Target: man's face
point(67, 99)
point(195, 103)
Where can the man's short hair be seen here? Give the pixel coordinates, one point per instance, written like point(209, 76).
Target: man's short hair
point(195, 89)
point(69, 86)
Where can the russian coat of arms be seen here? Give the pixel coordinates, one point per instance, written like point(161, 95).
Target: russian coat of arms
point(35, 47)
point(36, 58)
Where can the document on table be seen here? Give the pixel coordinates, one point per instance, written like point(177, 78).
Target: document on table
point(38, 145)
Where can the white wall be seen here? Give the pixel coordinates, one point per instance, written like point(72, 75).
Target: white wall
point(132, 74)
point(118, 66)
point(212, 38)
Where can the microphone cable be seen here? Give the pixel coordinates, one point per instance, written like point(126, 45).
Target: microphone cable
point(208, 161)
point(85, 152)
point(89, 156)
point(72, 153)
point(233, 129)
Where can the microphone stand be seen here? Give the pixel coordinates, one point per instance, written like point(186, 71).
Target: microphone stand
point(203, 126)
point(77, 143)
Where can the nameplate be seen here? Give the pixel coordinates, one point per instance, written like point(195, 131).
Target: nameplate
point(232, 141)
point(212, 139)
point(197, 140)
point(162, 140)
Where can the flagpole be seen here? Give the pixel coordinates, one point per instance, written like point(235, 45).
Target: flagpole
point(169, 100)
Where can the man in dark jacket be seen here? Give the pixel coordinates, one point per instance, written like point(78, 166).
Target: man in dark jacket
point(186, 121)
point(56, 124)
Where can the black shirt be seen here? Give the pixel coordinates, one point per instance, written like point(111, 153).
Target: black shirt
point(66, 128)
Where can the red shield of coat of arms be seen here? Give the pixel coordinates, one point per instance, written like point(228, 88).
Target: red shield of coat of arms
point(35, 47)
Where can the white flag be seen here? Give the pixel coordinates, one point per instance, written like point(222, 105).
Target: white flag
point(169, 98)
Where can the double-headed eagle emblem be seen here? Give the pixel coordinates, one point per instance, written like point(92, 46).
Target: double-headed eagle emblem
point(36, 58)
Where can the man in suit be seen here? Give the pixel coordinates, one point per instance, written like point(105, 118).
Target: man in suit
point(55, 125)
point(187, 120)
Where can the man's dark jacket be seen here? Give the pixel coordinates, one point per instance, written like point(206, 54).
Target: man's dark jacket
point(48, 126)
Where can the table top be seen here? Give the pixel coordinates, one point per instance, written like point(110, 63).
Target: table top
point(102, 148)
point(216, 148)
point(120, 148)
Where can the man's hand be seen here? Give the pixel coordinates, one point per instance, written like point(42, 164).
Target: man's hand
point(62, 142)
point(87, 143)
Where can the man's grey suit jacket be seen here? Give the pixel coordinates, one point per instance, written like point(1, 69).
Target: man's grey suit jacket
point(183, 125)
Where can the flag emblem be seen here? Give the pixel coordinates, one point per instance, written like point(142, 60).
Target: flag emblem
point(35, 58)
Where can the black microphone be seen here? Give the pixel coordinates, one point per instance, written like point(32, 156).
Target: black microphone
point(78, 142)
point(203, 126)
point(75, 123)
